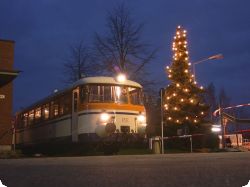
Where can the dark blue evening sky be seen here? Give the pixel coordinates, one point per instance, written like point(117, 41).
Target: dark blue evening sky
point(44, 29)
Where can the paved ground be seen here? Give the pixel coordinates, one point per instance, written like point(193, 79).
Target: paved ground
point(213, 169)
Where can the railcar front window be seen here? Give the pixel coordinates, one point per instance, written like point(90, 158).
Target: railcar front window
point(112, 94)
point(101, 94)
point(121, 94)
point(135, 95)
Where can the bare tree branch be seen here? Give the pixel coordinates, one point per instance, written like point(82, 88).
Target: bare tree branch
point(123, 47)
point(79, 63)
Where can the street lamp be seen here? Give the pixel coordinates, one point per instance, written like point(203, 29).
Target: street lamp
point(162, 141)
point(214, 57)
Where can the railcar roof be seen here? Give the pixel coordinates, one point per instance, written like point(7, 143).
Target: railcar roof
point(87, 80)
point(105, 80)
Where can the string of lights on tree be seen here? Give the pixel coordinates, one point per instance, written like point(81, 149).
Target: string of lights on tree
point(183, 102)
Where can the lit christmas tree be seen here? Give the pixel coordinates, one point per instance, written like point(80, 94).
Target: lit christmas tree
point(183, 99)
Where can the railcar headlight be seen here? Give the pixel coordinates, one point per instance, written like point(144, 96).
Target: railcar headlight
point(141, 118)
point(104, 117)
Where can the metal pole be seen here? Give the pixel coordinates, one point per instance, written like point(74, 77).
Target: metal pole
point(222, 128)
point(191, 144)
point(194, 70)
point(162, 142)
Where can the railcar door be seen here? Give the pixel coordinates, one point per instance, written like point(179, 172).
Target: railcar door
point(74, 120)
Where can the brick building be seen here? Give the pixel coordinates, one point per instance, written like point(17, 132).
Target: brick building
point(7, 75)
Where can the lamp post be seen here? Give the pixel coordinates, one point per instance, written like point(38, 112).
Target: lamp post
point(214, 57)
point(162, 141)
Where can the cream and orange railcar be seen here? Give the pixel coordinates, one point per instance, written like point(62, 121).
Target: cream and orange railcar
point(92, 109)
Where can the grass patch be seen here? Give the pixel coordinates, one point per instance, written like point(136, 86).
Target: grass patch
point(11, 154)
point(134, 151)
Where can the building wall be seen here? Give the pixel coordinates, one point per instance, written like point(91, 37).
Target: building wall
point(6, 63)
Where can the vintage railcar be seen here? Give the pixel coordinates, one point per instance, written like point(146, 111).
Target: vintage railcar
point(93, 110)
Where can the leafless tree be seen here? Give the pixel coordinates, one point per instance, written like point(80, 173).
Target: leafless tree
point(211, 100)
point(224, 99)
point(79, 63)
point(122, 49)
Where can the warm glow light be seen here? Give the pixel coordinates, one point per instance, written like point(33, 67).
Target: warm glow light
point(121, 78)
point(186, 71)
point(186, 90)
point(186, 118)
point(141, 118)
point(178, 85)
point(202, 113)
point(104, 117)
point(216, 129)
point(167, 67)
point(169, 118)
point(201, 87)
point(189, 64)
point(195, 121)
point(182, 100)
point(195, 82)
point(191, 101)
point(174, 94)
point(175, 108)
point(177, 121)
point(168, 98)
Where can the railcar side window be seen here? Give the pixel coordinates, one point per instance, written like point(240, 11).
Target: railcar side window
point(65, 104)
point(75, 101)
point(25, 119)
point(46, 111)
point(31, 117)
point(38, 114)
point(54, 109)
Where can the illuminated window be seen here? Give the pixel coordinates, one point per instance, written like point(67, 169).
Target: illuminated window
point(38, 113)
point(46, 111)
point(24, 119)
point(31, 117)
point(84, 91)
